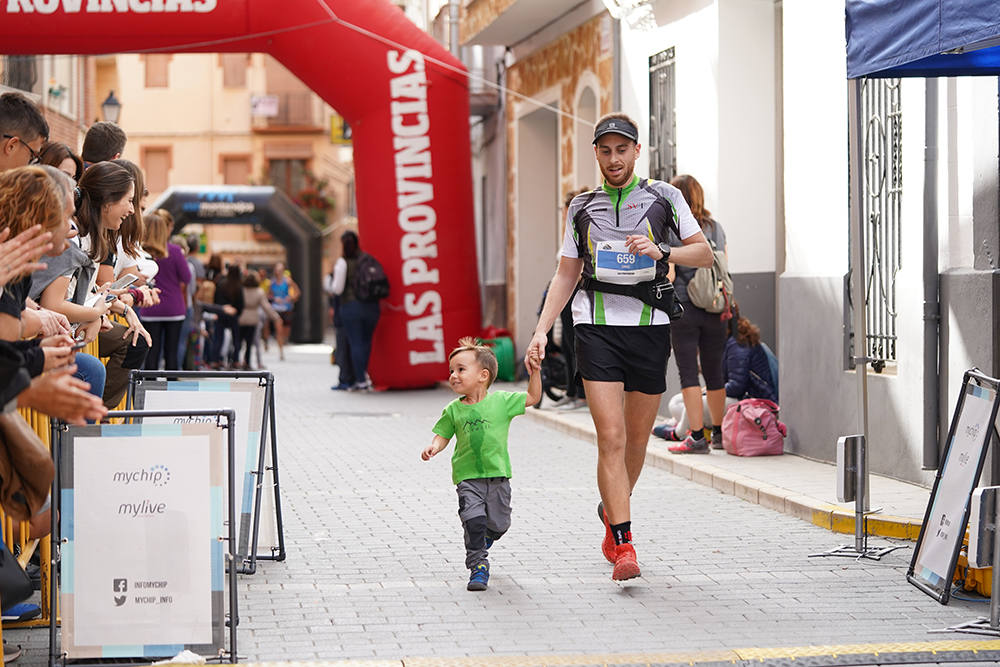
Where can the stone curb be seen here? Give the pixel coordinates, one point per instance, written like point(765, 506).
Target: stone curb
point(700, 469)
point(909, 653)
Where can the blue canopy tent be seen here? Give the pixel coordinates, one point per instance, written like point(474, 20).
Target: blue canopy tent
point(912, 38)
point(922, 38)
point(917, 38)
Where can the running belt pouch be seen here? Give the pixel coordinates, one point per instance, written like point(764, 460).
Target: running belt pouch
point(26, 469)
point(657, 293)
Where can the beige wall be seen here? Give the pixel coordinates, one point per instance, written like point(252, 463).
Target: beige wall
point(555, 75)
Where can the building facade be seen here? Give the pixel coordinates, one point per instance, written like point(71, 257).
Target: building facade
point(62, 86)
point(232, 119)
point(749, 96)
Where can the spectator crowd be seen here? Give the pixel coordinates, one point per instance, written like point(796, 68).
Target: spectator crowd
point(85, 265)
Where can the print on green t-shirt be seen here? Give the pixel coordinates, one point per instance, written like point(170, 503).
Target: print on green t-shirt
point(475, 429)
point(480, 431)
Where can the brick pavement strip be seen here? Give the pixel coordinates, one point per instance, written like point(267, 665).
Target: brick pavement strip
point(375, 557)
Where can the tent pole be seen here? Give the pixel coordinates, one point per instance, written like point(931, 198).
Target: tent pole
point(857, 222)
point(932, 317)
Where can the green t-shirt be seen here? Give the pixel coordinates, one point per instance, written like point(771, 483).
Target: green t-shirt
point(480, 432)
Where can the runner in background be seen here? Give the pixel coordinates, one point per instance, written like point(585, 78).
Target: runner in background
point(282, 292)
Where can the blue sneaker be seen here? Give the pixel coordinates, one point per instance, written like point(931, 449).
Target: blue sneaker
point(479, 577)
point(22, 612)
point(489, 542)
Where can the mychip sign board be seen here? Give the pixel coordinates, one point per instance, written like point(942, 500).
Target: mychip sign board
point(947, 513)
point(141, 519)
point(248, 400)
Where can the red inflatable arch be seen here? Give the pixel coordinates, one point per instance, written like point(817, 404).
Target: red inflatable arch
point(409, 118)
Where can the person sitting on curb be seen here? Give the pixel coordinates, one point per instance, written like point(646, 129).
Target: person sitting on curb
point(748, 375)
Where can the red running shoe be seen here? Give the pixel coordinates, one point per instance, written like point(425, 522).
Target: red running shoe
point(608, 545)
point(626, 566)
point(689, 446)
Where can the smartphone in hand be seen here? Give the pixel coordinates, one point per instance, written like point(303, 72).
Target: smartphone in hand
point(124, 281)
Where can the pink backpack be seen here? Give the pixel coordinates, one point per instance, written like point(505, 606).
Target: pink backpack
point(751, 428)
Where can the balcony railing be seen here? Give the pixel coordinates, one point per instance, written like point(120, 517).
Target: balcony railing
point(294, 109)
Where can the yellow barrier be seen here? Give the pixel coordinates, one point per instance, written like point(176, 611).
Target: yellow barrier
point(104, 360)
point(978, 579)
point(20, 541)
point(22, 544)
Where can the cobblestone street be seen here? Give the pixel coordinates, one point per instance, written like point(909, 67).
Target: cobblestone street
point(375, 565)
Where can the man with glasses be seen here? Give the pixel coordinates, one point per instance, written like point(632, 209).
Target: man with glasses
point(35, 157)
point(23, 130)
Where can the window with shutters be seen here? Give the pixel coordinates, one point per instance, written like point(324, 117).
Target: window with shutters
point(287, 175)
point(20, 72)
point(662, 116)
point(157, 66)
point(234, 69)
point(156, 162)
point(235, 169)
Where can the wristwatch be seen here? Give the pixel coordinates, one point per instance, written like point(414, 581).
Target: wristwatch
point(665, 249)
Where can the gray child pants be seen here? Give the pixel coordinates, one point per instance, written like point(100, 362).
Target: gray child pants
point(484, 508)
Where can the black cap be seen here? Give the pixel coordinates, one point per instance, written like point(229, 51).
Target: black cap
point(616, 126)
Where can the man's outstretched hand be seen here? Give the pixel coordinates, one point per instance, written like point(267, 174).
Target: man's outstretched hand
point(59, 394)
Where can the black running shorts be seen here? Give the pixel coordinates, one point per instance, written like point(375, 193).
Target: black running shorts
point(636, 356)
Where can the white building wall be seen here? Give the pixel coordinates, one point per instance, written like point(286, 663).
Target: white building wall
point(726, 82)
point(692, 29)
point(968, 154)
point(820, 398)
point(959, 162)
point(747, 152)
point(815, 139)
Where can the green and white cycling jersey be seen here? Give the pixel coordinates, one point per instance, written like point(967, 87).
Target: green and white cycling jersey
point(597, 224)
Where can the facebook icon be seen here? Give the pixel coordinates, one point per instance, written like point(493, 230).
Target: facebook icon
point(120, 585)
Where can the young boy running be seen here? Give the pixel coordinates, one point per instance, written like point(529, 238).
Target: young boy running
point(480, 466)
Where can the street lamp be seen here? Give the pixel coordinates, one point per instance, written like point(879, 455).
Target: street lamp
point(111, 108)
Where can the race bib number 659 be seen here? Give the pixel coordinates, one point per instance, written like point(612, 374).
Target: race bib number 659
point(615, 264)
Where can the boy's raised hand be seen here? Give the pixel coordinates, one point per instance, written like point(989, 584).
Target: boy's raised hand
point(534, 361)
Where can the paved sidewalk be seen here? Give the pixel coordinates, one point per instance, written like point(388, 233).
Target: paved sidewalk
point(375, 557)
point(790, 484)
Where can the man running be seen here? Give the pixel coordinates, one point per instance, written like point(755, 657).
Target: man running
point(616, 238)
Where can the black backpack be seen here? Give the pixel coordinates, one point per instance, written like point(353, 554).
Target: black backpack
point(370, 282)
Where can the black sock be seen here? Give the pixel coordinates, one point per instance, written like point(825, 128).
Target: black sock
point(698, 435)
point(622, 532)
point(716, 430)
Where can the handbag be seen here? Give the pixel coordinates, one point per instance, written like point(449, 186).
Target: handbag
point(26, 468)
point(751, 428)
point(15, 584)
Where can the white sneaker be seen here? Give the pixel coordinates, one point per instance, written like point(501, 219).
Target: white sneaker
point(11, 652)
point(560, 402)
point(572, 404)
